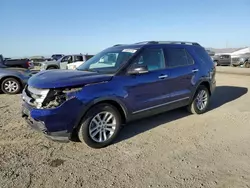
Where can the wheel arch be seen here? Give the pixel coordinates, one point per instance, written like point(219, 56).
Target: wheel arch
point(54, 66)
point(117, 105)
point(205, 83)
point(107, 100)
point(15, 77)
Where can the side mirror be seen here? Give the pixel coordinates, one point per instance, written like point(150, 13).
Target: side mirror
point(138, 70)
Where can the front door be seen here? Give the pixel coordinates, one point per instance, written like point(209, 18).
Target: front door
point(64, 61)
point(77, 61)
point(148, 91)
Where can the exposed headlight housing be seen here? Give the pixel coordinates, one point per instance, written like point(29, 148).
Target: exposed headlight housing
point(48, 98)
point(56, 97)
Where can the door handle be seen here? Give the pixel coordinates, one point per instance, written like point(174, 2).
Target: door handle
point(163, 76)
point(195, 70)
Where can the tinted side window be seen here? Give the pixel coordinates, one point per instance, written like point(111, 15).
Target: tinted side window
point(152, 58)
point(203, 55)
point(177, 57)
point(190, 59)
point(78, 58)
point(65, 59)
point(88, 57)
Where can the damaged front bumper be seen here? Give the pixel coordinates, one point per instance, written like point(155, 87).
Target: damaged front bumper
point(60, 136)
point(57, 123)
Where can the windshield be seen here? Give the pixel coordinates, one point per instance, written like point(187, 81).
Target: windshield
point(107, 61)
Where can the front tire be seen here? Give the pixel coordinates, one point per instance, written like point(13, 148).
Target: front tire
point(200, 101)
point(11, 86)
point(100, 126)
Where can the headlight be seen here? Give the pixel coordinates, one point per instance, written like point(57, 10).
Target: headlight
point(57, 97)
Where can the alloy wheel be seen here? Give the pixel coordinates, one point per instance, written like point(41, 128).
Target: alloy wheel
point(202, 100)
point(102, 126)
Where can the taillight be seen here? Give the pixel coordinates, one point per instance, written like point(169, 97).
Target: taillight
point(29, 63)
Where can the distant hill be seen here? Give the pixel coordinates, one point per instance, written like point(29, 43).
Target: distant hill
point(223, 50)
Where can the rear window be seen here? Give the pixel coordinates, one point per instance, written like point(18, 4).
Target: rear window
point(202, 55)
point(177, 57)
point(78, 58)
point(88, 57)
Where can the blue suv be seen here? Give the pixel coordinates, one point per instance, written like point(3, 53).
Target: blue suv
point(118, 85)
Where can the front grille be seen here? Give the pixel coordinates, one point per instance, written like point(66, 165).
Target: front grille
point(225, 56)
point(235, 59)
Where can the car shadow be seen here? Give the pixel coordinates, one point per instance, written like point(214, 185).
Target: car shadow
point(221, 96)
point(225, 94)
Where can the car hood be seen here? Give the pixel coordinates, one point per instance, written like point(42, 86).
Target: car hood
point(65, 78)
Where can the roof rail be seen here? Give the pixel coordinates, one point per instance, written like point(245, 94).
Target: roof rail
point(169, 42)
point(118, 45)
point(147, 42)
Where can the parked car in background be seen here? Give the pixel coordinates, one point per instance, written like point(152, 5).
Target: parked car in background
point(1, 58)
point(37, 59)
point(140, 80)
point(210, 53)
point(66, 62)
point(222, 59)
point(12, 80)
point(241, 60)
point(20, 63)
point(56, 56)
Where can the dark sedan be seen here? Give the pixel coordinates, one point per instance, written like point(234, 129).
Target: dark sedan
point(12, 80)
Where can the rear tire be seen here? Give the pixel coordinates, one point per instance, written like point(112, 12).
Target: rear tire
point(100, 126)
point(11, 86)
point(200, 102)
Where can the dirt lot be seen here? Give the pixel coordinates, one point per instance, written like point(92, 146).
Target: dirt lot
point(174, 149)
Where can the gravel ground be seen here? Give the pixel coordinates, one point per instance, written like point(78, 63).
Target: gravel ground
point(174, 149)
point(233, 70)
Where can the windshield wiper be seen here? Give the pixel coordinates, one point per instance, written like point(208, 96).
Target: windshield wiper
point(88, 70)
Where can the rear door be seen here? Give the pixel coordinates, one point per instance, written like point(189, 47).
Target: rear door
point(182, 69)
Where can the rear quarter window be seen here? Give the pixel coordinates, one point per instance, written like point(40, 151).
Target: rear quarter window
point(202, 55)
point(178, 57)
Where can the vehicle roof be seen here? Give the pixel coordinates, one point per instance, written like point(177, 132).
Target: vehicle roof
point(157, 43)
